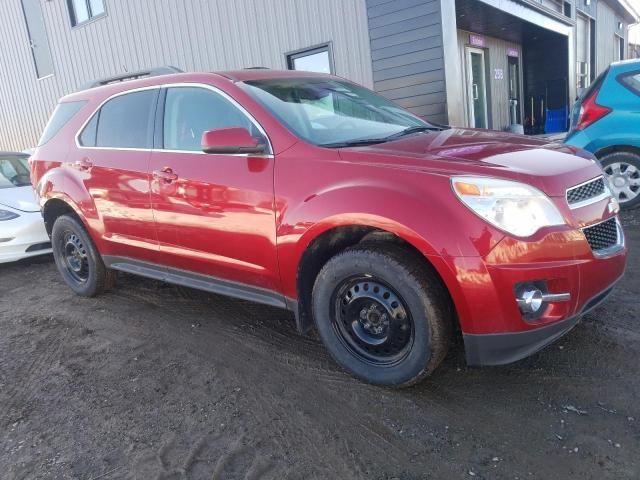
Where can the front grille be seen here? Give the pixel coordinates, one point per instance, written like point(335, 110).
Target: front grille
point(603, 235)
point(586, 191)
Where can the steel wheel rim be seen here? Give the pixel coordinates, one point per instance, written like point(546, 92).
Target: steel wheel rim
point(75, 257)
point(624, 180)
point(372, 320)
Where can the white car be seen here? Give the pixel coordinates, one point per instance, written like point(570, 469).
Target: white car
point(22, 231)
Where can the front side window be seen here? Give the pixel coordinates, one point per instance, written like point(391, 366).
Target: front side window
point(82, 11)
point(125, 121)
point(313, 60)
point(60, 117)
point(14, 172)
point(191, 111)
point(325, 111)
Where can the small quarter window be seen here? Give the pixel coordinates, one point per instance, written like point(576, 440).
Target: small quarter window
point(311, 60)
point(126, 121)
point(60, 117)
point(82, 11)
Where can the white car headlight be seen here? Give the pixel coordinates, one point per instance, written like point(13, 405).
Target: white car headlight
point(7, 215)
point(514, 207)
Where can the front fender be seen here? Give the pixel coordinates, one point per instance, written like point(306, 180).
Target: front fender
point(435, 223)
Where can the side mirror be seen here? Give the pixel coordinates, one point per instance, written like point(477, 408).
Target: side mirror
point(231, 141)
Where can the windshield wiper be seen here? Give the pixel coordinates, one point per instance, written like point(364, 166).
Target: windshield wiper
point(414, 129)
point(354, 143)
point(373, 141)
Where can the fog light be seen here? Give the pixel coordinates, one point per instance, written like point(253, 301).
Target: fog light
point(530, 300)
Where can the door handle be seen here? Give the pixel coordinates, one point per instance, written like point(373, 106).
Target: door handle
point(475, 91)
point(84, 164)
point(166, 175)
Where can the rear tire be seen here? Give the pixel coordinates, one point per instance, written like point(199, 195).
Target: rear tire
point(623, 171)
point(383, 314)
point(78, 260)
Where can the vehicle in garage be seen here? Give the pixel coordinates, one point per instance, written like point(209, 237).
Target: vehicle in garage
point(605, 122)
point(308, 192)
point(22, 232)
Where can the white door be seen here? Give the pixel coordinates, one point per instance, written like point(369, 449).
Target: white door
point(477, 88)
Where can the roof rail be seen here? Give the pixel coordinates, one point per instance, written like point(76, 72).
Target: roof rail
point(256, 68)
point(151, 72)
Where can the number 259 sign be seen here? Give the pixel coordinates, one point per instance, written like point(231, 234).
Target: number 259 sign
point(498, 74)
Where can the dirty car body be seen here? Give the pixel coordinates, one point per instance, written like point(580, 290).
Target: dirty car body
point(507, 237)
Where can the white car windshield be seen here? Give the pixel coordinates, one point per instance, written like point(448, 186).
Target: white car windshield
point(334, 113)
point(14, 172)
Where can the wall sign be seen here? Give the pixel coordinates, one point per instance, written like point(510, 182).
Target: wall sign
point(476, 40)
point(498, 74)
point(513, 52)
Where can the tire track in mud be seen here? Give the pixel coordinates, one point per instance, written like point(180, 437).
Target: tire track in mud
point(20, 394)
point(292, 362)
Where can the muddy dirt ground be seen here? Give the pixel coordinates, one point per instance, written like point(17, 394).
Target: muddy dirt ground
point(152, 381)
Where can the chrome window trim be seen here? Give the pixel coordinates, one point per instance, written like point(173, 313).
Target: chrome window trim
point(204, 86)
point(116, 95)
point(603, 196)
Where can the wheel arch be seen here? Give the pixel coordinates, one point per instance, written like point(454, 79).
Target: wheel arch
point(327, 240)
point(603, 152)
point(55, 207)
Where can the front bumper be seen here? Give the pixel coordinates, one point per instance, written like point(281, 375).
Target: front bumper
point(485, 290)
point(23, 237)
point(503, 348)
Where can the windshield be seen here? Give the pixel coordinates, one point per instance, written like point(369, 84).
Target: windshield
point(329, 112)
point(14, 172)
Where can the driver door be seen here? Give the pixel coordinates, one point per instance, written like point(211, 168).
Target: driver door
point(214, 213)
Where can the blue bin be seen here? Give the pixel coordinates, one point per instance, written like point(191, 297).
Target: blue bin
point(556, 120)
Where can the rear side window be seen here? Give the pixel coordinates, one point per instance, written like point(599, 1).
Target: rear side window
point(631, 81)
point(125, 121)
point(63, 113)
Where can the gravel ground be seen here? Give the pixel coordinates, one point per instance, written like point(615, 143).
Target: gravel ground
point(153, 381)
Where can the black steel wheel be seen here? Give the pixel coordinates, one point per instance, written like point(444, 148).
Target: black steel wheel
point(372, 320)
point(383, 314)
point(77, 258)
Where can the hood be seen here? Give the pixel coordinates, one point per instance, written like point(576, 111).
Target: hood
point(19, 198)
point(550, 167)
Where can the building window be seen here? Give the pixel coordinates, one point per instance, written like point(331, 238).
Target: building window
point(316, 59)
point(81, 11)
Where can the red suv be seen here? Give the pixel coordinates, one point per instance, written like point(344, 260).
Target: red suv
point(311, 193)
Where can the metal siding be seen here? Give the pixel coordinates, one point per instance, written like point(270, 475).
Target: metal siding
point(606, 27)
point(195, 35)
point(407, 54)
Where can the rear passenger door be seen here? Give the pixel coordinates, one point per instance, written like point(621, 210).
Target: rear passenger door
point(112, 160)
point(215, 215)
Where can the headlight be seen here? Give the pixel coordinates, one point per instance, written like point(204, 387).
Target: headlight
point(514, 207)
point(7, 215)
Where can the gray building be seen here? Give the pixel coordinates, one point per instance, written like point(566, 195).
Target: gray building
point(478, 63)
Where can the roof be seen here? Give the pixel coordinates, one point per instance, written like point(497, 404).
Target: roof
point(201, 77)
point(250, 74)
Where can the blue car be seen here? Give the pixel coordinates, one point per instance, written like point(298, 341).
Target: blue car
point(606, 122)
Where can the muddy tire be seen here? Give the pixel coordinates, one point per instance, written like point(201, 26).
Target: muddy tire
point(383, 314)
point(78, 260)
point(623, 171)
